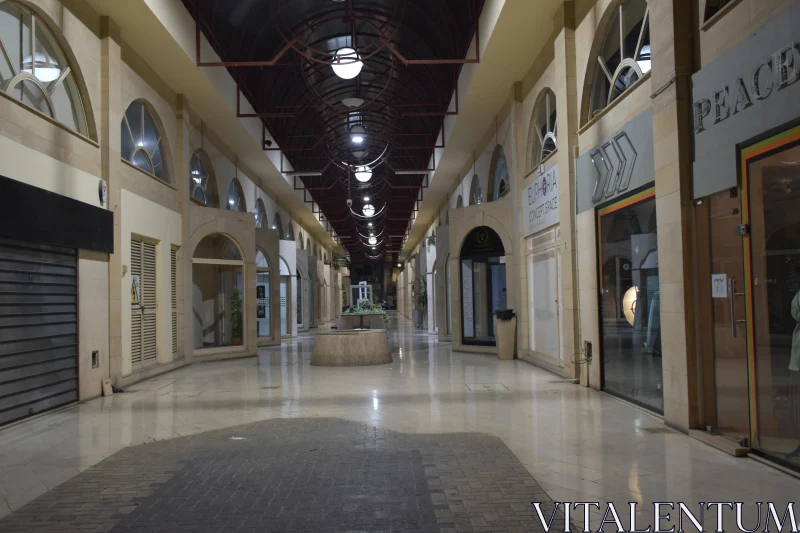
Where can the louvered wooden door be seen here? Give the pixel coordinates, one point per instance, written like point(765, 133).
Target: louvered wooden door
point(144, 348)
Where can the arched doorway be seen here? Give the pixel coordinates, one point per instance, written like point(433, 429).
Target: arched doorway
point(217, 293)
point(286, 290)
point(263, 315)
point(483, 285)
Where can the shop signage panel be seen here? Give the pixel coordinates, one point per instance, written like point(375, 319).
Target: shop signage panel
point(541, 205)
point(621, 163)
point(719, 285)
point(749, 91)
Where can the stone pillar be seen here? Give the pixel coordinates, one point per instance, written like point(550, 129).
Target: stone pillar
point(671, 35)
point(111, 161)
point(567, 124)
point(184, 267)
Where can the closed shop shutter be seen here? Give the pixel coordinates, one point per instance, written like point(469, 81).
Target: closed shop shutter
point(38, 328)
point(143, 320)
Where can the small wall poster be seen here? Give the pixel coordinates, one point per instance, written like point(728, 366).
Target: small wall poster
point(719, 285)
point(136, 292)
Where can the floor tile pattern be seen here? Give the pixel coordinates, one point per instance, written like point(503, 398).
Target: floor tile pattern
point(318, 475)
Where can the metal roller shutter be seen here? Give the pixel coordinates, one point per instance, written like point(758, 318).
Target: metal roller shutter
point(38, 328)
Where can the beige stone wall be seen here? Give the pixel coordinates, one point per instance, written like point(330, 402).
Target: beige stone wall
point(92, 322)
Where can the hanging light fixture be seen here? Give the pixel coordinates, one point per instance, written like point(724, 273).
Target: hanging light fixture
point(363, 174)
point(373, 240)
point(357, 134)
point(370, 224)
point(368, 210)
point(347, 63)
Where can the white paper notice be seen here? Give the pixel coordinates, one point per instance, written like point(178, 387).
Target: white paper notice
point(719, 285)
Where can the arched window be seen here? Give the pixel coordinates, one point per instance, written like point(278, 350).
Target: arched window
point(261, 213)
point(308, 245)
point(43, 79)
point(202, 184)
point(543, 128)
point(218, 308)
point(459, 202)
point(236, 197)
point(142, 141)
point(475, 193)
point(300, 240)
point(278, 225)
point(499, 179)
point(624, 57)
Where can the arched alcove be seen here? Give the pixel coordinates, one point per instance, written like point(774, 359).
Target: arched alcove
point(499, 177)
point(142, 141)
point(236, 200)
point(261, 213)
point(217, 293)
point(475, 192)
point(483, 285)
point(202, 181)
point(263, 296)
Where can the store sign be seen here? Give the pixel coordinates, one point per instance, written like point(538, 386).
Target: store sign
point(541, 202)
point(621, 163)
point(750, 90)
point(776, 72)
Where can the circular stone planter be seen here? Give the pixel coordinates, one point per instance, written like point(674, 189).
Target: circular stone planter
point(352, 348)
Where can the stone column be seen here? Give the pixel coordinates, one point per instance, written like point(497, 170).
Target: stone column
point(111, 161)
point(671, 35)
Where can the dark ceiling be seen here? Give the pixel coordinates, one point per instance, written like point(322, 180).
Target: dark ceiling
point(281, 51)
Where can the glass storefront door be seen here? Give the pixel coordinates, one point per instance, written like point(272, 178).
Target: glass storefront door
point(630, 300)
point(263, 326)
point(771, 182)
point(483, 285)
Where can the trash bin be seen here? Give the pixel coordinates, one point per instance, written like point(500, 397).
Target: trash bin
point(505, 332)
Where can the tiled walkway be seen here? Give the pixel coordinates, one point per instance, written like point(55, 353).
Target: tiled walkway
point(578, 444)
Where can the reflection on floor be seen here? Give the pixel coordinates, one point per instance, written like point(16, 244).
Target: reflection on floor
point(578, 444)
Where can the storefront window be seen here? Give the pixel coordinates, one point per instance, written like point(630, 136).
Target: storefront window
point(449, 297)
point(772, 181)
point(217, 289)
point(630, 305)
point(263, 316)
point(483, 285)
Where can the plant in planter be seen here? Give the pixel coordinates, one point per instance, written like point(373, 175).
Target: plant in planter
point(236, 318)
point(365, 308)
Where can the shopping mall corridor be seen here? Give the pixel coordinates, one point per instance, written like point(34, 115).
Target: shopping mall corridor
point(274, 444)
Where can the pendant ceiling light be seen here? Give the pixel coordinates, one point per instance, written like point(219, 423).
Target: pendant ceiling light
point(373, 240)
point(363, 174)
point(368, 210)
point(357, 134)
point(347, 63)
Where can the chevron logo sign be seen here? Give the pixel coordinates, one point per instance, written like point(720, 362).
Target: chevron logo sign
point(614, 161)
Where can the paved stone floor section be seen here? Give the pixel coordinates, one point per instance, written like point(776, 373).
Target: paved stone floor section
point(298, 475)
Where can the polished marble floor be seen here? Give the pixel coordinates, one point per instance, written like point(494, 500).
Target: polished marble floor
point(578, 444)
